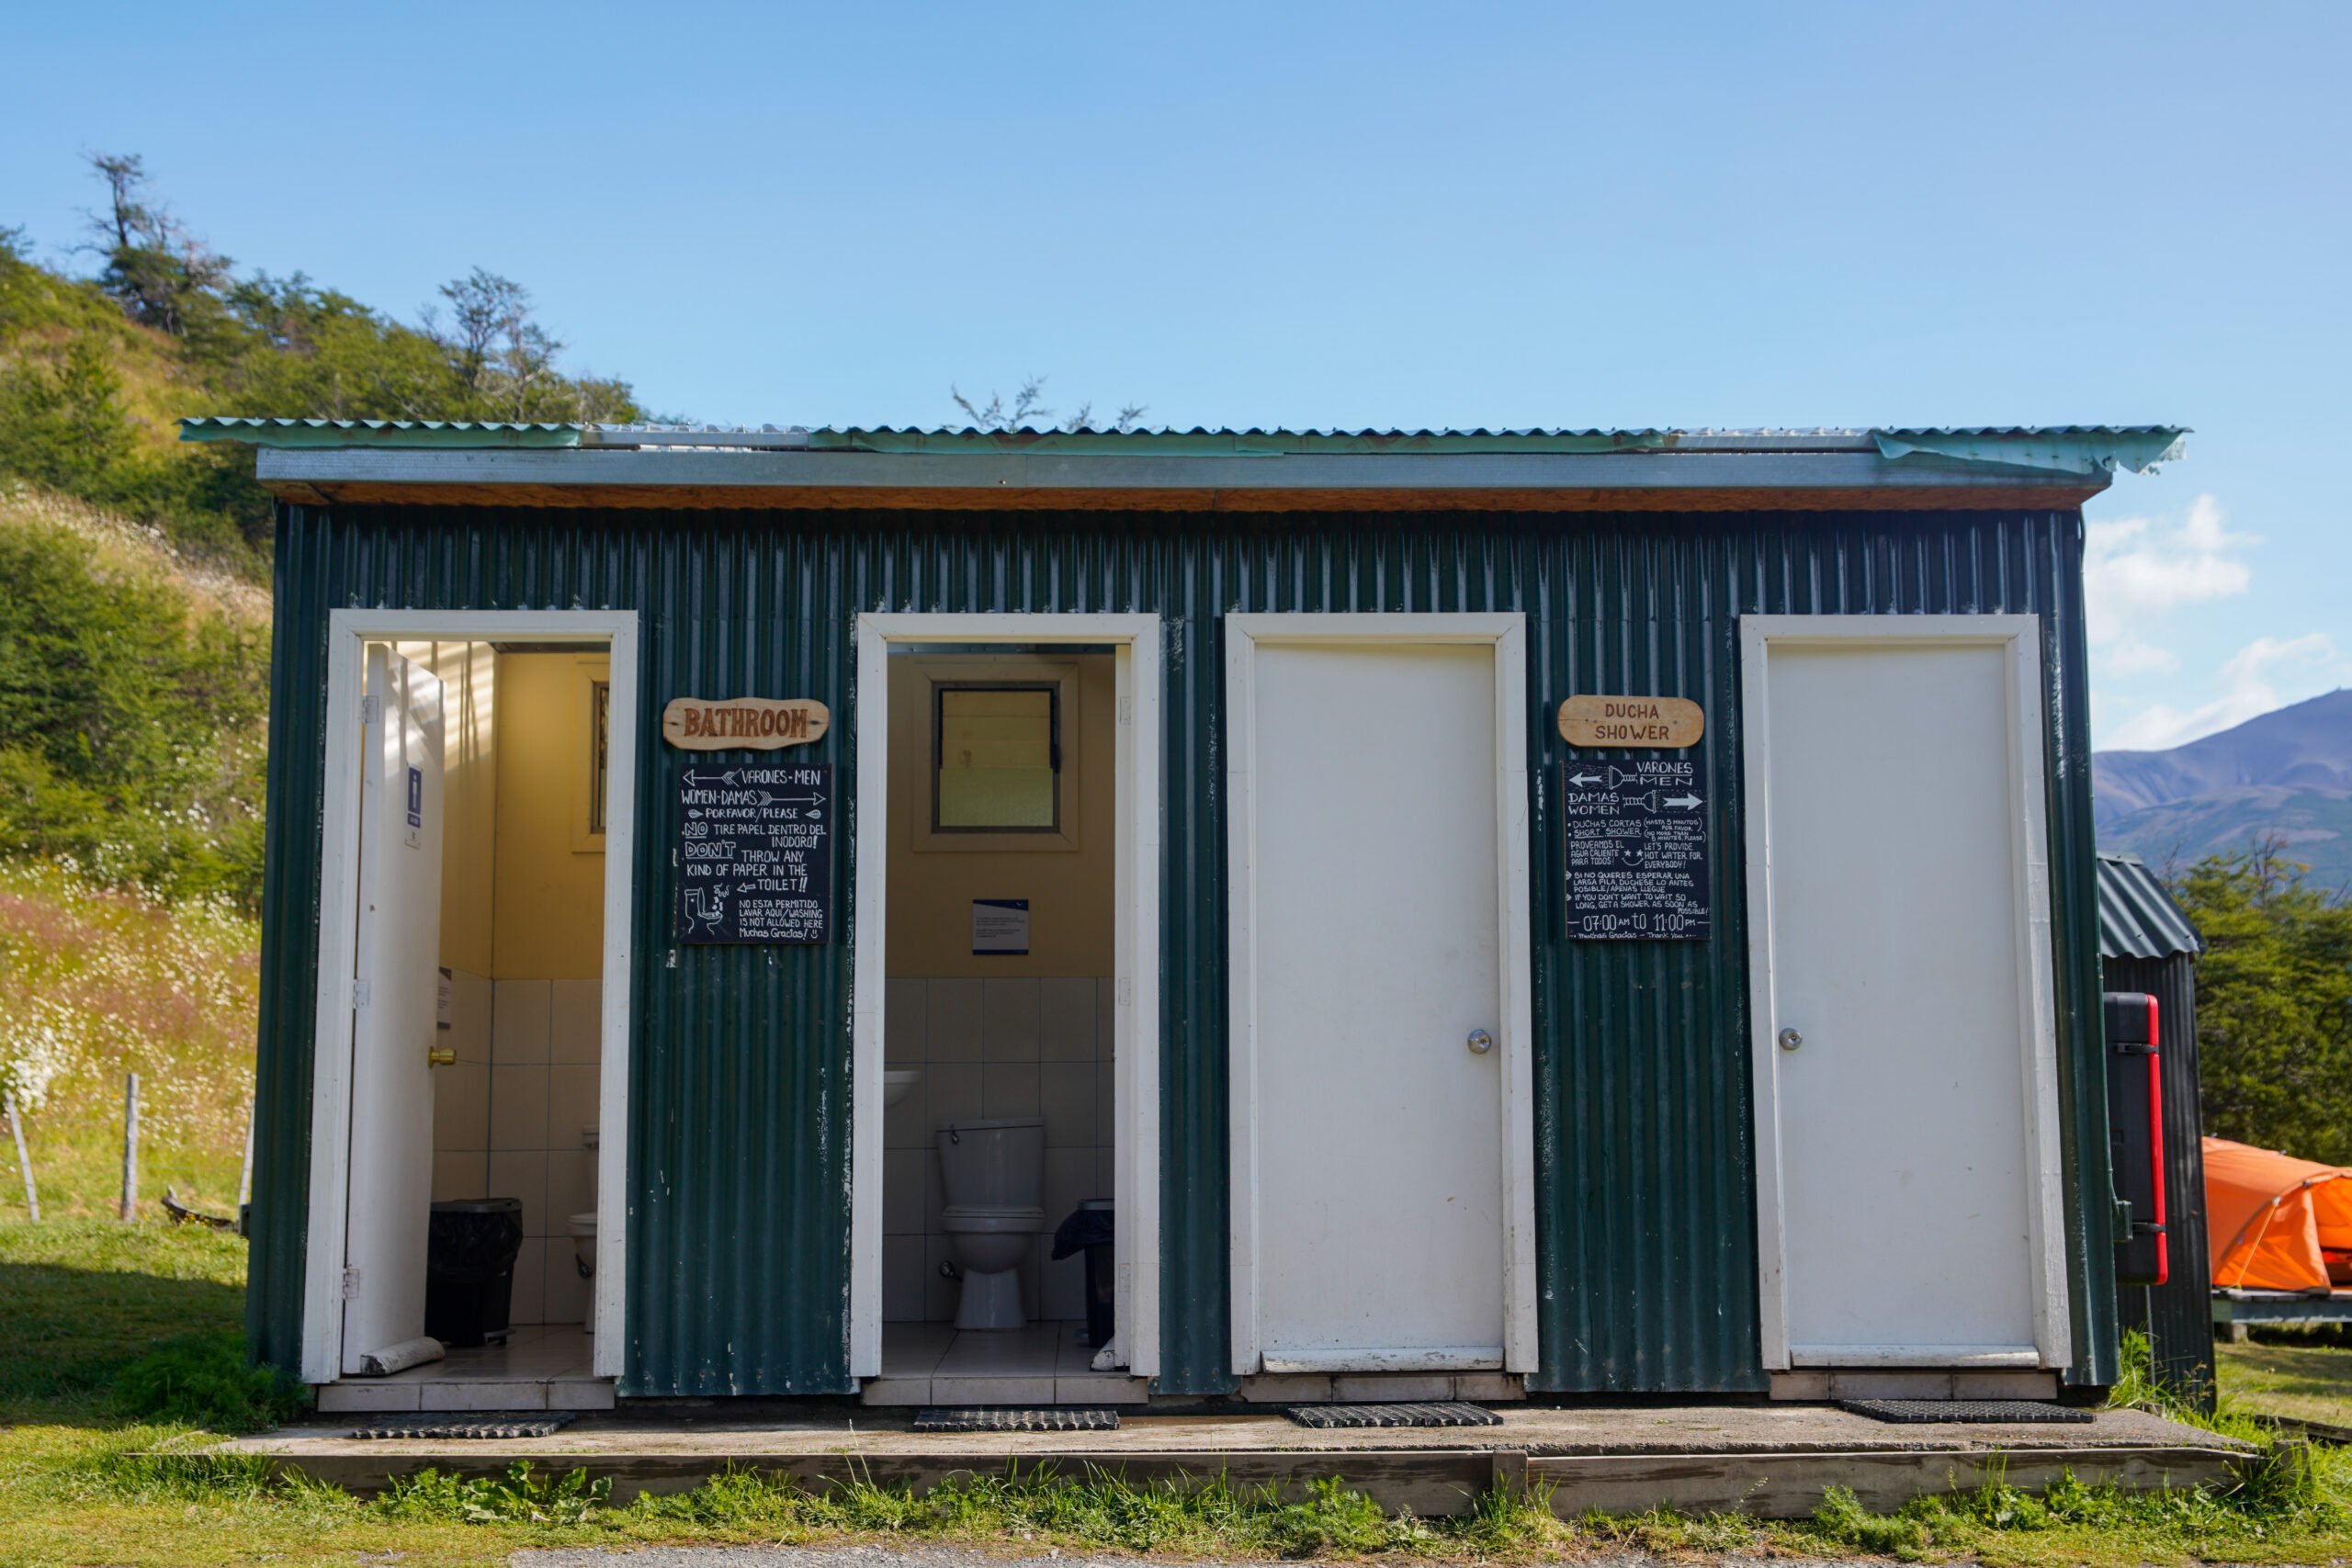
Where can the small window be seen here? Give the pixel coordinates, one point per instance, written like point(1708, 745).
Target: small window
point(600, 714)
point(997, 759)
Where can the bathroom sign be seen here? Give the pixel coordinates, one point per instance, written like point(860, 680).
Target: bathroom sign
point(755, 853)
point(757, 724)
point(1001, 925)
point(1631, 721)
point(1636, 849)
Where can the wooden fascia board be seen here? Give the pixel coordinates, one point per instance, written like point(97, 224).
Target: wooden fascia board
point(1807, 481)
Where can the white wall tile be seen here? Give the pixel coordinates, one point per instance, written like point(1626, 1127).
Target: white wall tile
point(469, 1007)
point(1106, 1019)
point(935, 1192)
point(572, 1187)
point(1065, 1099)
point(905, 1019)
point(902, 1289)
point(1065, 1021)
point(523, 1173)
point(939, 1292)
point(518, 1108)
point(520, 1020)
point(907, 1125)
point(1009, 1021)
point(571, 1105)
point(951, 1092)
point(574, 1010)
point(459, 1174)
point(1009, 1088)
point(904, 1178)
point(461, 1106)
point(953, 1010)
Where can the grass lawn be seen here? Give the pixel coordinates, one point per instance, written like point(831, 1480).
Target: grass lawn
point(2310, 1381)
point(82, 1301)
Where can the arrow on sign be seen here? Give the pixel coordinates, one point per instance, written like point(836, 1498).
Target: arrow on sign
point(1687, 802)
point(701, 780)
point(1580, 780)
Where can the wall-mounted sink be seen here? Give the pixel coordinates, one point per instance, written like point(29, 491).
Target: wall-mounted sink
point(896, 1082)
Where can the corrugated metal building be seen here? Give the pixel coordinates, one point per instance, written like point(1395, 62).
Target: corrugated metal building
point(2145, 944)
point(1656, 1236)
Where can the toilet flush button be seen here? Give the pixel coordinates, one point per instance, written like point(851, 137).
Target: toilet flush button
point(1480, 1042)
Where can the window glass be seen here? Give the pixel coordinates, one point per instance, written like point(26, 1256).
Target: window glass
point(998, 758)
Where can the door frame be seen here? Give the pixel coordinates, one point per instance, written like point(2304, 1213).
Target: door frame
point(348, 632)
point(1135, 640)
point(1505, 632)
point(2019, 638)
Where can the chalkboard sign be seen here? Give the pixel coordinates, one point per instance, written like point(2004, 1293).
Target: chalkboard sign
point(754, 854)
point(1636, 849)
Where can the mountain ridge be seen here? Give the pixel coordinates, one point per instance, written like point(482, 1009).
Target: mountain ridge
point(2286, 774)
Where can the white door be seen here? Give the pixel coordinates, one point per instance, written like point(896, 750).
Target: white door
point(398, 957)
point(1903, 1043)
point(1383, 1143)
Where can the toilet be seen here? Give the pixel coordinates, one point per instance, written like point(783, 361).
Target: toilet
point(583, 1251)
point(993, 1173)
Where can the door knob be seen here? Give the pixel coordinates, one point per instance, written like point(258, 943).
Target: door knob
point(440, 1057)
point(1480, 1042)
point(1790, 1039)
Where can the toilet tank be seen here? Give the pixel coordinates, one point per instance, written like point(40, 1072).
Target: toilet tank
point(993, 1164)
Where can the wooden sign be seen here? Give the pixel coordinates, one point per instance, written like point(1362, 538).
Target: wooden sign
point(1631, 721)
point(758, 724)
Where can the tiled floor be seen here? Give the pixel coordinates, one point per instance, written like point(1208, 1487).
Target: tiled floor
point(933, 1363)
point(545, 1367)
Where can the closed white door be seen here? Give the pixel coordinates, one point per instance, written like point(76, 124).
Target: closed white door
point(1905, 1055)
point(397, 978)
point(1376, 958)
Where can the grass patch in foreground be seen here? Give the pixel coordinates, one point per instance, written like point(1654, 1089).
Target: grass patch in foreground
point(81, 1299)
point(2304, 1378)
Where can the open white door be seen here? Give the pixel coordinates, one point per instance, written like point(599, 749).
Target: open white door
point(394, 995)
point(1904, 1048)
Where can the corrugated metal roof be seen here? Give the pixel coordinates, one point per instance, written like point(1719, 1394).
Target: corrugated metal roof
point(2137, 919)
point(2074, 448)
point(377, 432)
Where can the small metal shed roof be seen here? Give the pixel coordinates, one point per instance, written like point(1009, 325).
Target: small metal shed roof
point(2137, 919)
point(1199, 470)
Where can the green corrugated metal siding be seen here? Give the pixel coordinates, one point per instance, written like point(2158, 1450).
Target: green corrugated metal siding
point(738, 1249)
point(2178, 1314)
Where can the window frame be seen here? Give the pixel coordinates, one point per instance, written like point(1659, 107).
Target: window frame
point(1053, 749)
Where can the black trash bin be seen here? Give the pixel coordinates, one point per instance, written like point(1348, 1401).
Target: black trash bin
point(1092, 1228)
point(469, 1269)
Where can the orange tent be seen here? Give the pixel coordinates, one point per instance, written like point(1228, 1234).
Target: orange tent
point(2275, 1222)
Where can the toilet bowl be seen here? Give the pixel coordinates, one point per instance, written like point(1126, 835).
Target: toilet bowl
point(583, 1249)
point(994, 1174)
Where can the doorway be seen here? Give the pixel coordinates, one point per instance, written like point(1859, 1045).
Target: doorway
point(1383, 1140)
point(1007, 794)
point(1905, 1048)
point(472, 1035)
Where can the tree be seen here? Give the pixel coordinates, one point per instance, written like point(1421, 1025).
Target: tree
point(1029, 410)
point(164, 276)
point(2274, 1003)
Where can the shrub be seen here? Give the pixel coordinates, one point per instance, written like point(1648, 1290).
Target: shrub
point(205, 1379)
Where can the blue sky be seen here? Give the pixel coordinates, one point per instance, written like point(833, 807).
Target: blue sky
point(1306, 215)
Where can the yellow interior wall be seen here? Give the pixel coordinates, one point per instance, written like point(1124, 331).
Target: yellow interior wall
point(468, 673)
point(548, 922)
point(1071, 892)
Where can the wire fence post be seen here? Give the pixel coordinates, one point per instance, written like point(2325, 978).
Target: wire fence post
point(130, 1148)
point(24, 1160)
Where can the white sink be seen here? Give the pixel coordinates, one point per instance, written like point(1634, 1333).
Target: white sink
point(896, 1082)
